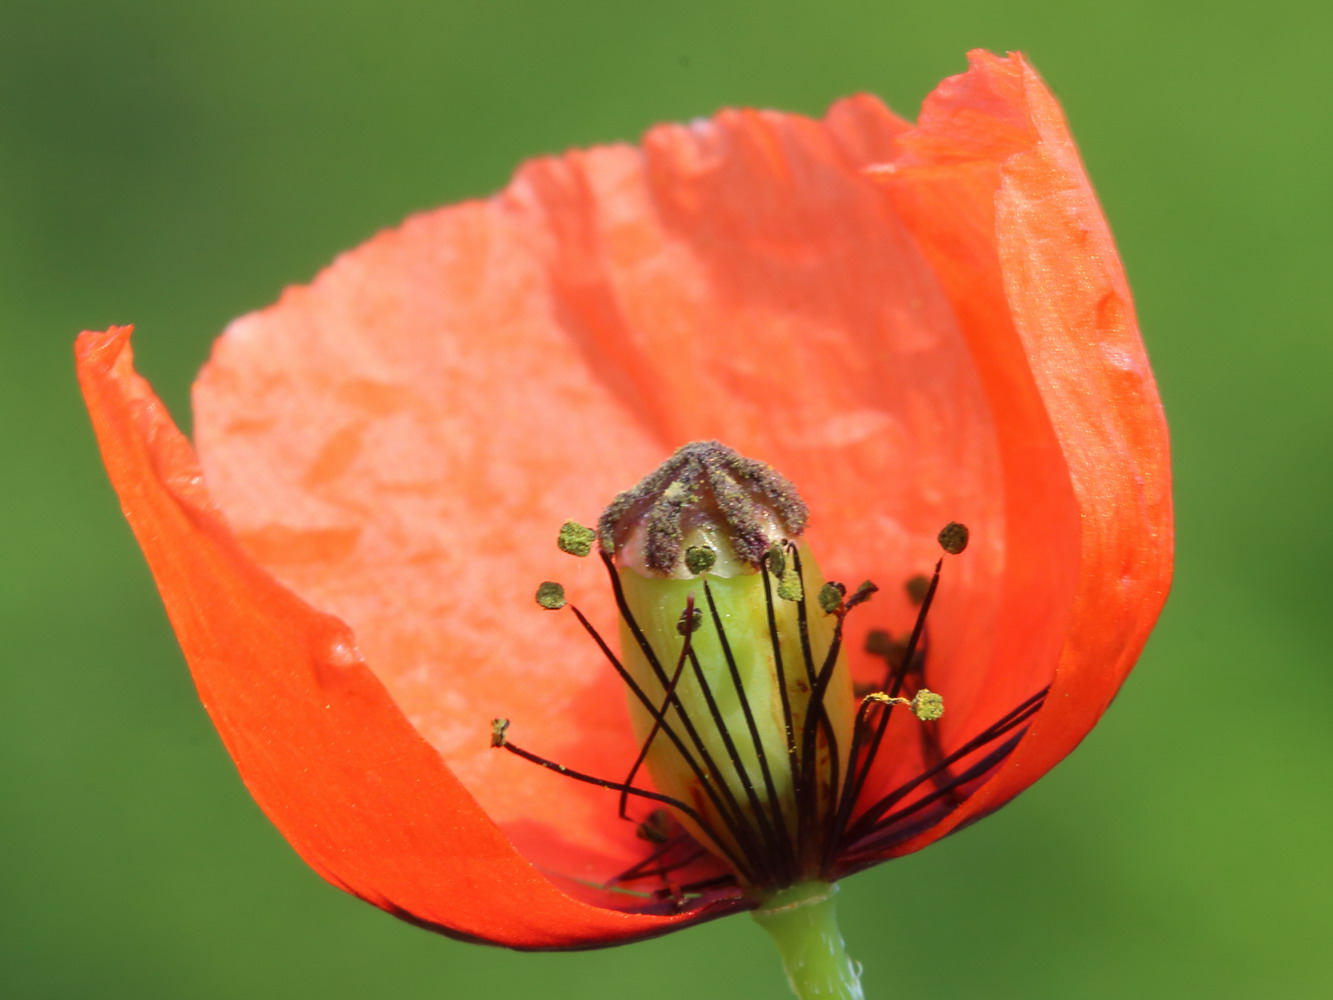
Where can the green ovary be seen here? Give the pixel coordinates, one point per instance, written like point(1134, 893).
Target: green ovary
point(657, 604)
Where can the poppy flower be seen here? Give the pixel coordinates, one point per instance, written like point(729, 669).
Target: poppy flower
point(916, 325)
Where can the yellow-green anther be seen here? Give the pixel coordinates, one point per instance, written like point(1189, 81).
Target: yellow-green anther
point(789, 586)
point(551, 596)
point(927, 705)
point(575, 538)
point(498, 728)
point(830, 597)
point(776, 560)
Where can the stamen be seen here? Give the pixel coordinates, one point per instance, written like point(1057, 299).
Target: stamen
point(774, 565)
point(817, 717)
point(779, 670)
point(575, 539)
point(642, 870)
point(682, 807)
point(656, 827)
point(667, 729)
point(778, 821)
point(690, 619)
point(500, 741)
point(709, 519)
point(900, 671)
point(807, 794)
point(687, 625)
point(789, 586)
point(802, 621)
point(830, 597)
point(953, 535)
point(926, 705)
point(551, 596)
point(879, 643)
point(660, 829)
point(765, 833)
point(952, 790)
point(864, 592)
point(678, 892)
point(870, 820)
point(718, 792)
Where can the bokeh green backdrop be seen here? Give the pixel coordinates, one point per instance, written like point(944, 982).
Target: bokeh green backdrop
point(175, 164)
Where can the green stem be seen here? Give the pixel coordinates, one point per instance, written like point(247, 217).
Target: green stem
point(803, 923)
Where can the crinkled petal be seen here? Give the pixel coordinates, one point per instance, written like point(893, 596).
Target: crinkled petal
point(326, 753)
point(400, 440)
point(992, 187)
point(946, 336)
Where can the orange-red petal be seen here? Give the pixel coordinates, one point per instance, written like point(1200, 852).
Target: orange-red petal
point(326, 753)
point(399, 441)
point(945, 336)
point(991, 185)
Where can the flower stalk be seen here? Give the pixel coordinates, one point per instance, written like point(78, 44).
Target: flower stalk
point(802, 921)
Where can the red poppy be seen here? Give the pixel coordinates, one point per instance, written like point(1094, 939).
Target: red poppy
point(914, 324)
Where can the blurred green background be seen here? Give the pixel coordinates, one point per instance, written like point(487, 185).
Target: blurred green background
point(175, 164)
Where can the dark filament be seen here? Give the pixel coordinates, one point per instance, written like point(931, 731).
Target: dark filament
point(836, 832)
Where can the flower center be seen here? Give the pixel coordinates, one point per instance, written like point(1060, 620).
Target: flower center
point(738, 687)
point(748, 711)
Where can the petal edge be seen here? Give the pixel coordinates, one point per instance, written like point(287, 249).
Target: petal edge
point(381, 817)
